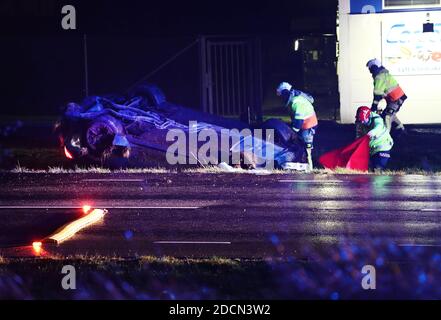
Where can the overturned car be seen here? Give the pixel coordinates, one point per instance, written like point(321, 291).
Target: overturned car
point(142, 129)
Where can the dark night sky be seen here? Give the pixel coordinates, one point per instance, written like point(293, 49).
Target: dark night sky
point(170, 17)
point(42, 64)
point(193, 17)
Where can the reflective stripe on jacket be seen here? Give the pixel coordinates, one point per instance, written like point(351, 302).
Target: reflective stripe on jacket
point(386, 86)
point(302, 109)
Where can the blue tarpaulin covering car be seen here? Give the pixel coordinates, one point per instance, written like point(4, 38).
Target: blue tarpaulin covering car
point(130, 131)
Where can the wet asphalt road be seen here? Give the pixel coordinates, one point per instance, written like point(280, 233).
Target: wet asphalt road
point(229, 215)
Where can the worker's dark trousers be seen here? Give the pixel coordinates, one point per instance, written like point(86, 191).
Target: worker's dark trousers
point(307, 137)
point(380, 160)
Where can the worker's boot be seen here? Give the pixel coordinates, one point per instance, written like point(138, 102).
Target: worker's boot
point(400, 130)
point(309, 154)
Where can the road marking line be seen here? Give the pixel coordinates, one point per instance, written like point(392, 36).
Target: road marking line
point(167, 208)
point(431, 210)
point(110, 207)
point(113, 180)
point(312, 181)
point(191, 242)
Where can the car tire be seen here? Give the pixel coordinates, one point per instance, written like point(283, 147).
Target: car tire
point(151, 93)
point(100, 134)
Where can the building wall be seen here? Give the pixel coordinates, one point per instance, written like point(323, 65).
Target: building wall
point(396, 38)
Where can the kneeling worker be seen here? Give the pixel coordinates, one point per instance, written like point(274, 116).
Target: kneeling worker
point(303, 117)
point(380, 142)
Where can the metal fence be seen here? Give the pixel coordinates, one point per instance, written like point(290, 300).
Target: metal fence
point(231, 81)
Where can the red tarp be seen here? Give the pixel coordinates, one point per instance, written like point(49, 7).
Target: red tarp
point(354, 156)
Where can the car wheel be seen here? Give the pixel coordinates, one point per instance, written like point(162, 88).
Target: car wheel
point(100, 134)
point(151, 93)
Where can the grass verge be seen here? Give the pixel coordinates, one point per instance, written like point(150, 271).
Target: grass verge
point(138, 278)
point(217, 170)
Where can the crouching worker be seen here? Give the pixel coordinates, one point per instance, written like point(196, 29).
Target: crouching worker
point(119, 154)
point(302, 113)
point(381, 142)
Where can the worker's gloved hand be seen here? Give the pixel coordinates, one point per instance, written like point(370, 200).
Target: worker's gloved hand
point(296, 125)
point(296, 133)
point(371, 135)
point(380, 111)
point(296, 136)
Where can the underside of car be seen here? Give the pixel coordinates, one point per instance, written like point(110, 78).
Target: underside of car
point(131, 131)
